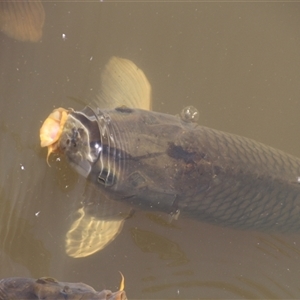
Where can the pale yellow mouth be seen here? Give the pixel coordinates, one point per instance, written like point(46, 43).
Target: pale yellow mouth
point(51, 129)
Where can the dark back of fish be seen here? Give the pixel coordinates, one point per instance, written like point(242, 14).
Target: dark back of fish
point(160, 162)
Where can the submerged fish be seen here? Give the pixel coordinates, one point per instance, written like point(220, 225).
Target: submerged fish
point(22, 20)
point(170, 164)
point(50, 288)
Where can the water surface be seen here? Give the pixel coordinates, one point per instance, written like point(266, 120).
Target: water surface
point(238, 63)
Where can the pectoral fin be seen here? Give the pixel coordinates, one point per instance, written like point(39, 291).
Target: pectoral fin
point(89, 235)
point(98, 222)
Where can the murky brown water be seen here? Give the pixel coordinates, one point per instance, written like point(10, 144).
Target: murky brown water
point(238, 63)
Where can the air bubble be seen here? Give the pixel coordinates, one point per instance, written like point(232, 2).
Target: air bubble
point(189, 114)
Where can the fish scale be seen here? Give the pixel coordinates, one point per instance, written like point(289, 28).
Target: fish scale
point(258, 188)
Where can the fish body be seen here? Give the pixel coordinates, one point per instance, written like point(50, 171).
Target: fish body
point(49, 288)
point(162, 162)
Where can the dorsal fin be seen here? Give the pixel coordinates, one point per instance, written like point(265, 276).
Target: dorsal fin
point(123, 83)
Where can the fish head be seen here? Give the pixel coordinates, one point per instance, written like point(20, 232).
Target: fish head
point(80, 140)
point(88, 143)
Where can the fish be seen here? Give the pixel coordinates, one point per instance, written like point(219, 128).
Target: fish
point(50, 288)
point(172, 164)
point(22, 20)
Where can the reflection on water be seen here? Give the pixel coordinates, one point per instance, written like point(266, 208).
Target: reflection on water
point(234, 290)
point(153, 243)
point(238, 63)
point(17, 239)
point(276, 246)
